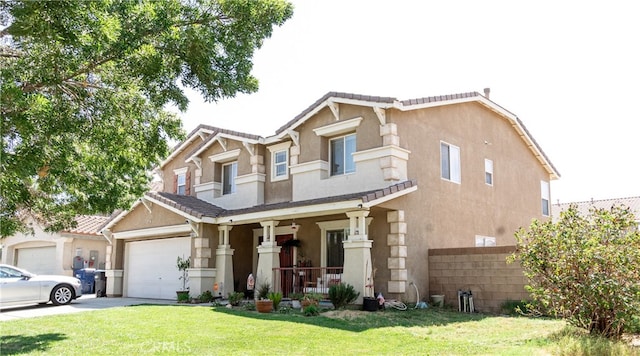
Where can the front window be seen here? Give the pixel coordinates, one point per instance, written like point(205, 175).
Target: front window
point(335, 249)
point(280, 164)
point(229, 174)
point(341, 154)
point(544, 192)
point(450, 162)
point(182, 184)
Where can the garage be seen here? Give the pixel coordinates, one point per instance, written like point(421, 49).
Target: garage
point(150, 267)
point(39, 260)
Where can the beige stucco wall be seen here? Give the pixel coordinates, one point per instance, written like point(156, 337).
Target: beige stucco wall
point(66, 246)
point(176, 163)
point(447, 214)
point(141, 218)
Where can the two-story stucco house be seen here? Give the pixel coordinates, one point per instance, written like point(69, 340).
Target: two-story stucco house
point(355, 189)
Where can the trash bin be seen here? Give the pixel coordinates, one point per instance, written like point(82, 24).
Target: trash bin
point(87, 277)
point(101, 283)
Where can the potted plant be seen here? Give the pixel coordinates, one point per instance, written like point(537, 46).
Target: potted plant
point(263, 303)
point(295, 300)
point(183, 265)
point(310, 299)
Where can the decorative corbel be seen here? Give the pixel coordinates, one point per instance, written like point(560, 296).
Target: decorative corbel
point(381, 114)
point(107, 235)
point(194, 228)
point(197, 161)
point(335, 109)
point(146, 204)
point(202, 135)
point(295, 136)
point(223, 143)
point(251, 148)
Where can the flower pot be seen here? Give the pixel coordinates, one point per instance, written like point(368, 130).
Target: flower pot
point(370, 304)
point(264, 306)
point(183, 296)
point(438, 300)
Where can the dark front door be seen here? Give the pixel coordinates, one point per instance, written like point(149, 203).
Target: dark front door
point(286, 261)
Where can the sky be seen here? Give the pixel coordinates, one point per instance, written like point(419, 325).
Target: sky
point(570, 70)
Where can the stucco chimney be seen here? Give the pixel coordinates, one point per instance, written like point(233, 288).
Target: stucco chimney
point(487, 91)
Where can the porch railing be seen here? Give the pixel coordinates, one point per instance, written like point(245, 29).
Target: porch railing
point(305, 279)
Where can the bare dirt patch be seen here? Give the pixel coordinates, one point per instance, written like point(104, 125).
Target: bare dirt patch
point(345, 314)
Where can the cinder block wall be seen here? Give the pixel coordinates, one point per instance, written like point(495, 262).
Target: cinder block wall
point(483, 270)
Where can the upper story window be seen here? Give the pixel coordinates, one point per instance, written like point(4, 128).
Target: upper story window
point(280, 161)
point(181, 181)
point(229, 174)
point(546, 196)
point(450, 162)
point(488, 171)
point(341, 152)
point(280, 164)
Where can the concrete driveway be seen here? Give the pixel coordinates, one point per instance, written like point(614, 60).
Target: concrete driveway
point(82, 304)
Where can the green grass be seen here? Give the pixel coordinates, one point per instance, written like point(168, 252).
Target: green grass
point(201, 330)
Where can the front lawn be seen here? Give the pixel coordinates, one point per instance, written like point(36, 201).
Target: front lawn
point(205, 330)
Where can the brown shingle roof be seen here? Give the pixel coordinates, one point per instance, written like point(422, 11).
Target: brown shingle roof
point(199, 208)
point(224, 131)
point(333, 94)
point(89, 224)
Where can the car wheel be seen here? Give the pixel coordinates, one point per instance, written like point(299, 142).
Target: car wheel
point(61, 295)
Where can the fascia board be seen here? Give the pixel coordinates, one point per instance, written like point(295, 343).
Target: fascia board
point(290, 213)
point(182, 146)
point(175, 210)
point(153, 231)
point(389, 197)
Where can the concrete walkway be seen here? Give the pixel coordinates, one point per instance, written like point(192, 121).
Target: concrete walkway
point(82, 304)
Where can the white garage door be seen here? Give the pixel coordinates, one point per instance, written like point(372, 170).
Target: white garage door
point(39, 260)
point(151, 267)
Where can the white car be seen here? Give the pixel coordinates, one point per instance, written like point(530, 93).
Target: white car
point(18, 286)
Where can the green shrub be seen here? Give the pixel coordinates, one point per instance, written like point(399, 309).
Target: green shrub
point(275, 297)
point(183, 297)
point(206, 297)
point(584, 268)
point(311, 310)
point(342, 294)
point(516, 307)
point(235, 298)
point(263, 291)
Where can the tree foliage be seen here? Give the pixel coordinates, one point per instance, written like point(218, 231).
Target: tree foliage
point(585, 269)
point(84, 87)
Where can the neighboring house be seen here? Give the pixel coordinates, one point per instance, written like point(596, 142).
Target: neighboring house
point(57, 253)
point(633, 203)
point(355, 189)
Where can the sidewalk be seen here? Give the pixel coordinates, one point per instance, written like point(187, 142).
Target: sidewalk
point(82, 304)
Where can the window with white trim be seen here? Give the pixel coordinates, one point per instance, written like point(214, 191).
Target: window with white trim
point(279, 161)
point(546, 196)
point(450, 162)
point(485, 241)
point(335, 247)
point(182, 184)
point(488, 171)
point(280, 164)
point(229, 174)
point(341, 152)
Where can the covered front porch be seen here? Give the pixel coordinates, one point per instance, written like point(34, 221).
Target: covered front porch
point(295, 247)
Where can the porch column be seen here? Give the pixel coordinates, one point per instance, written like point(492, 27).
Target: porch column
point(224, 262)
point(358, 270)
point(398, 252)
point(268, 254)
